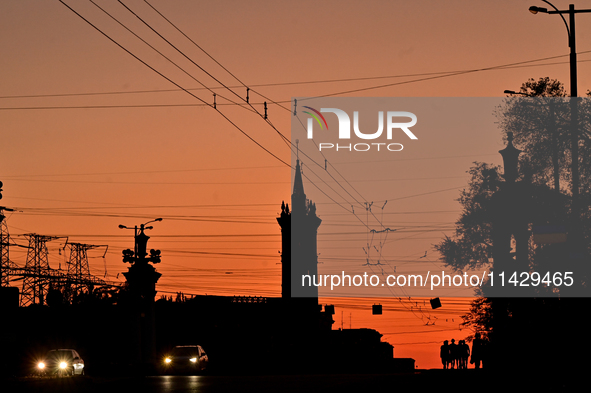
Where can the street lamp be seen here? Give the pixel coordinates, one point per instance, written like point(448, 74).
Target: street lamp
point(155, 220)
point(142, 227)
point(534, 10)
point(516, 92)
point(570, 29)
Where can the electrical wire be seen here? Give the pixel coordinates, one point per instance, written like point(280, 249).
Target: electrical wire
point(174, 83)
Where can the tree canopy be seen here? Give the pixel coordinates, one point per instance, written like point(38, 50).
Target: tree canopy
point(539, 118)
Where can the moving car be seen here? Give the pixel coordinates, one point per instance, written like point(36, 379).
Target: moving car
point(186, 358)
point(61, 362)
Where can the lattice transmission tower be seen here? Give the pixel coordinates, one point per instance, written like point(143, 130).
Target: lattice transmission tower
point(4, 254)
point(37, 280)
point(79, 276)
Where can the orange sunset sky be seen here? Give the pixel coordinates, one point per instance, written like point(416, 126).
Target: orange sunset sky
point(92, 138)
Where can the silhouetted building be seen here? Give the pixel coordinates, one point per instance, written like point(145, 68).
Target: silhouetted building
point(337, 348)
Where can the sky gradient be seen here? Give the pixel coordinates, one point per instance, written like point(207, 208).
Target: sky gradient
point(149, 149)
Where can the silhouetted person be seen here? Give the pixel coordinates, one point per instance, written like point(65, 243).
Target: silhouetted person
point(464, 350)
point(453, 353)
point(444, 354)
point(477, 350)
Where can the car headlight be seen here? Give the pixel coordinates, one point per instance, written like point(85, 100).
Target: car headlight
point(63, 365)
point(168, 360)
point(193, 360)
point(41, 365)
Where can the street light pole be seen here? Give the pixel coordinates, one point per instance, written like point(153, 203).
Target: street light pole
point(573, 51)
point(574, 120)
point(135, 242)
point(570, 28)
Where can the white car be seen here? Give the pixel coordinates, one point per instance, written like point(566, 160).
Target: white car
point(61, 362)
point(186, 358)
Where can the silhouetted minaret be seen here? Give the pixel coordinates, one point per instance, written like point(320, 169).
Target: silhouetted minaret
point(299, 255)
point(284, 221)
point(298, 198)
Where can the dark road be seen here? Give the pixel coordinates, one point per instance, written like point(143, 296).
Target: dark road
point(421, 381)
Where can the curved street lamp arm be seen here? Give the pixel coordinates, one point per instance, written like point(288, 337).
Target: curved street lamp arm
point(564, 20)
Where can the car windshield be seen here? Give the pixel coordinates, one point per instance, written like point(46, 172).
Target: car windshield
point(185, 351)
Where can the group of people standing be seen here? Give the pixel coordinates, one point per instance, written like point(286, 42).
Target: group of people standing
point(455, 356)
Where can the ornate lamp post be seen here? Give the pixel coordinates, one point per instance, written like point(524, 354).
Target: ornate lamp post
point(142, 278)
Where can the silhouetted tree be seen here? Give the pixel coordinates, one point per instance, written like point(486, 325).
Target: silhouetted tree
point(471, 245)
point(541, 128)
point(55, 297)
point(478, 319)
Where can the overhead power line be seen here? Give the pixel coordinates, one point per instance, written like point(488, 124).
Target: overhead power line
point(156, 50)
point(277, 84)
point(174, 83)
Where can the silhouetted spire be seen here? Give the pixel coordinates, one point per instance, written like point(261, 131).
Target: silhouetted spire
point(298, 184)
point(298, 198)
